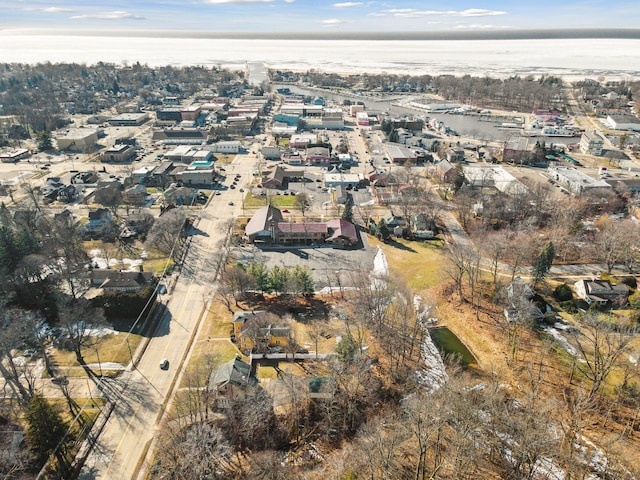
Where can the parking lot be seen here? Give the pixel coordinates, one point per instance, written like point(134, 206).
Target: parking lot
point(331, 267)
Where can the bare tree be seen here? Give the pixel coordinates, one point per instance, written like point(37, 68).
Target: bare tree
point(64, 247)
point(302, 202)
point(193, 403)
point(371, 298)
point(33, 195)
point(78, 317)
point(609, 242)
point(495, 245)
point(196, 451)
point(167, 233)
point(110, 197)
point(519, 251)
point(425, 421)
point(600, 345)
point(630, 233)
point(455, 268)
point(378, 446)
point(235, 282)
point(18, 374)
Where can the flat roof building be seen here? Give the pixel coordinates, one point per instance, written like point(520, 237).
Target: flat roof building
point(78, 139)
point(574, 180)
point(119, 153)
point(624, 122)
point(129, 119)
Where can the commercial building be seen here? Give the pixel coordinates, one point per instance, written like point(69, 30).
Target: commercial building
point(180, 136)
point(188, 154)
point(231, 146)
point(623, 122)
point(301, 140)
point(267, 226)
point(344, 179)
point(119, 153)
point(129, 119)
point(196, 174)
point(191, 113)
point(271, 153)
point(14, 155)
point(168, 114)
point(318, 155)
point(355, 109)
point(82, 139)
point(401, 155)
point(493, 176)
point(574, 180)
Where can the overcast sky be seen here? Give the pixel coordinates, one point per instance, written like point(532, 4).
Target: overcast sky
point(320, 15)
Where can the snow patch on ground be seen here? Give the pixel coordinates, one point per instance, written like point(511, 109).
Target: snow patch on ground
point(380, 271)
point(380, 265)
point(562, 340)
point(422, 311)
point(100, 331)
point(434, 375)
point(106, 366)
point(101, 262)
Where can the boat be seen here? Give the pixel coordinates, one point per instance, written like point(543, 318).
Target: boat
point(557, 132)
point(509, 126)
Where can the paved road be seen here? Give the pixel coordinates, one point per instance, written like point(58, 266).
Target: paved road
point(140, 393)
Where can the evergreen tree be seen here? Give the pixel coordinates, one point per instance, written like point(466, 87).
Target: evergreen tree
point(347, 213)
point(347, 349)
point(383, 231)
point(303, 279)
point(46, 433)
point(278, 277)
point(44, 141)
point(543, 262)
point(261, 276)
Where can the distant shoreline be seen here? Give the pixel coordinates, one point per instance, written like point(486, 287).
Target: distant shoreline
point(582, 33)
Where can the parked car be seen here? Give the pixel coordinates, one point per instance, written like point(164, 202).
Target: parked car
point(60, 380)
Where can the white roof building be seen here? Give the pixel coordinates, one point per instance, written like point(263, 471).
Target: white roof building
point(623, 122)
point(494, 176)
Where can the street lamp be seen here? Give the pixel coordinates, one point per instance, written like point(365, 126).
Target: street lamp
point(339, 284)
point(99, 362)
point(133, 364)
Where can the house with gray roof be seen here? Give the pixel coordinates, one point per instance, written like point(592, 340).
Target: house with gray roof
point(233, 373)
point(601, 292)
point(120, 281)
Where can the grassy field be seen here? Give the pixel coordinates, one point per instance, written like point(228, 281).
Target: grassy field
point(110, 348)
point(417, 263)
point(280, 201)
point(224, 159)
point(214, 338)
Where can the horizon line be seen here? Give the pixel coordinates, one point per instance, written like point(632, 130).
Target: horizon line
point(520, 34)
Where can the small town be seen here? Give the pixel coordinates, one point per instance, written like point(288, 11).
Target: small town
point(266, 274)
